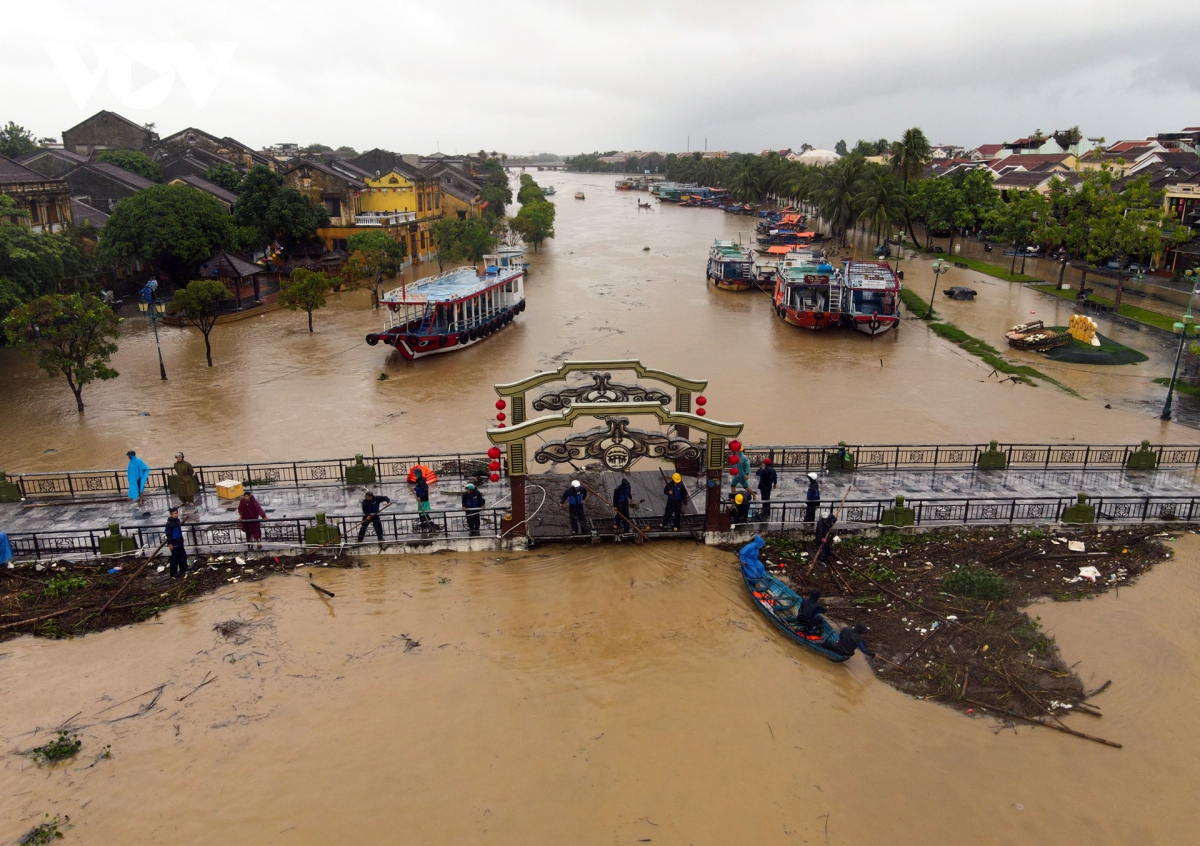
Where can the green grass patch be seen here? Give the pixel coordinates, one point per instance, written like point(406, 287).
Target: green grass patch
point(1141, 315)
point(991, 356)
point(913, 302)
point(991, 269)
point(1180, 387)
point(977, 584)
point(61, 585)
point(1109, 351)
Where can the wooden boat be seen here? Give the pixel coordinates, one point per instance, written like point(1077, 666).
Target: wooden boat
point(454, 309)
point(1036, 337)
point(871, 295)
point(642, 205)
point(579, 195)
point(808, 293)
point(730, 267)
point(771, 596)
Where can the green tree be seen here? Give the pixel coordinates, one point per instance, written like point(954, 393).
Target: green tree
point(462, 240)
point(980, 197)
point(316, 148)
point(944, 209)
point(273, 210)
point(529, 190)
point(173, 227)
point(1020, 220)
point(199, 303)
point(73, 335)
point(497, 197)
point(16, 141)
point(384, 253)
point(305, 290)
point(840, 148)
point(134, 162)
point(838, 192)
point(227, 176)
point(535, 222)
point(908, 158)
point(883, 202)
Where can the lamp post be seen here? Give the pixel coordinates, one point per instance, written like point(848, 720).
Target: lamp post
point(939, 267)
point(1182, 329)
point(147, 304)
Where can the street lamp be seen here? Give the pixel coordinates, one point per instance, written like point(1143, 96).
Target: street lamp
point(940, 266)
point(147, 304)
point(1182, 330)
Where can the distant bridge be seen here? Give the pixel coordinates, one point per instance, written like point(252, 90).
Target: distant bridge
point(521, 164)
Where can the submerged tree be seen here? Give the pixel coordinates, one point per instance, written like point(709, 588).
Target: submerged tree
point(535, 222)
point(73, 335)
point(198, 303)
point(305, 290)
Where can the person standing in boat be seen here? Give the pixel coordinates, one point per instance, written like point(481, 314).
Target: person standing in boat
point(622, 496)
point(813, 499)
point(473, 502)
point(677, 497)
point(848, 640)
point(767, 479)
point(574, 496)
point(187, 485)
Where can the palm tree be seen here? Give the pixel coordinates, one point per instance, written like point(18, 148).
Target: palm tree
point(909, 156)
point(744, 183)
point(838, 187)
point(883, 202)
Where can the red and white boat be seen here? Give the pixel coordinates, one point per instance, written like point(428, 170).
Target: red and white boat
point(455, 309)
point(808, 293)
point(871, 296)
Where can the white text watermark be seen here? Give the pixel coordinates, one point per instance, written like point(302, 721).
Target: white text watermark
point(154, 66)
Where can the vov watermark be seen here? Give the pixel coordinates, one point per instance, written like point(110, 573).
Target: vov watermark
point(161, 62)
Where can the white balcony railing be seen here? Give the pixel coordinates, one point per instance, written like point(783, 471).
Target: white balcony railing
point(385, 218)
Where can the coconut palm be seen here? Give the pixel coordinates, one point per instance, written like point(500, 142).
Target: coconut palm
point(837, 191)
point(910, 154)
point(883, 203)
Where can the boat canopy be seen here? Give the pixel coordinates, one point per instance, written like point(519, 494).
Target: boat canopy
point(791, 218)
point(451, 286)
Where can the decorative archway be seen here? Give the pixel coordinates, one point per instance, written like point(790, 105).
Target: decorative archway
point(617, 444)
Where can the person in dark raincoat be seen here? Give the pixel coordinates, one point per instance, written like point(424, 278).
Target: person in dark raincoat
point(812, 498)
point(472, 502)
point(810, 611)
point(371, 505)
point(252, 515)
point(574, 496)
point(421, 492)
point(824, 537)
point(848, 640)
point(622, 496)
point(188, 484)
point(174, 532)
point(677, 497)
point(767, 480)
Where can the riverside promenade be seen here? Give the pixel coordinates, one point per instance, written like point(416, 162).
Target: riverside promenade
point(66, 514)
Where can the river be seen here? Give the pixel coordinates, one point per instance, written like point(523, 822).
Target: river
point(588, 695)
point(277, 392)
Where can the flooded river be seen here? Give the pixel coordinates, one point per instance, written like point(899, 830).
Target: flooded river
point(277, 392)
point(596, 695)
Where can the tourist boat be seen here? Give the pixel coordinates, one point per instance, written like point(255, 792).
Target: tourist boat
point(784, 238)
point(782, 222)
point(624, 185)
point(549, 191)
point(808, 294)
point(579, 195)
point(730, 267)
point(775, 599)
point(454, 309)
point(871, 296)
point(514, 256)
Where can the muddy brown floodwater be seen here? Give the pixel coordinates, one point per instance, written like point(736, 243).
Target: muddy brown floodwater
point(594, 695)
point(277, 392)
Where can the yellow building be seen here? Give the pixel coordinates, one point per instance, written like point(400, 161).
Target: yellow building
point(402, 191)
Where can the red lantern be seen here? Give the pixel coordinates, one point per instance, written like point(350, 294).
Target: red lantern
point(494, 452)
point(501, 404)
point(732, 471)
point(501, 416)
point(701, 412)
point(493, 466)
point(736, 446)
point(733, 459)
point(499, 425)
point(701, 400)
point(495, 477)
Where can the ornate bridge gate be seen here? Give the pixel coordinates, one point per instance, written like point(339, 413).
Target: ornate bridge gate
point(616, 444)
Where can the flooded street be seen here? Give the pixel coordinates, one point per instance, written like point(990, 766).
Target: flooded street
point(596, 695)
point(277, 392)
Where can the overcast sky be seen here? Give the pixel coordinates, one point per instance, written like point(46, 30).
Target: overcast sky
point(533, 75)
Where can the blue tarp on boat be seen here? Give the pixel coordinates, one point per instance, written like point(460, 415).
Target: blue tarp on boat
point(751, 566)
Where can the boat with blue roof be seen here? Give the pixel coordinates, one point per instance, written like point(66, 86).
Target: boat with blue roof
point(730, 267)
point(455, 309)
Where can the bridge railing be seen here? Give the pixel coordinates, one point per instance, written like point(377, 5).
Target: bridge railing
point(226, 535)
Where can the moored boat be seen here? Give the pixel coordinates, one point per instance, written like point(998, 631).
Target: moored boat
point(579, 195)
point(454, 309)
point(778, 603)
point(871, 292)
point(730, 267)
point(808, 294)
point(549, 191)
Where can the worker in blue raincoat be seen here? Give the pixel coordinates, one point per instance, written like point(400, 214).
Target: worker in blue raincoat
point(139, 474)
point(751, 566)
